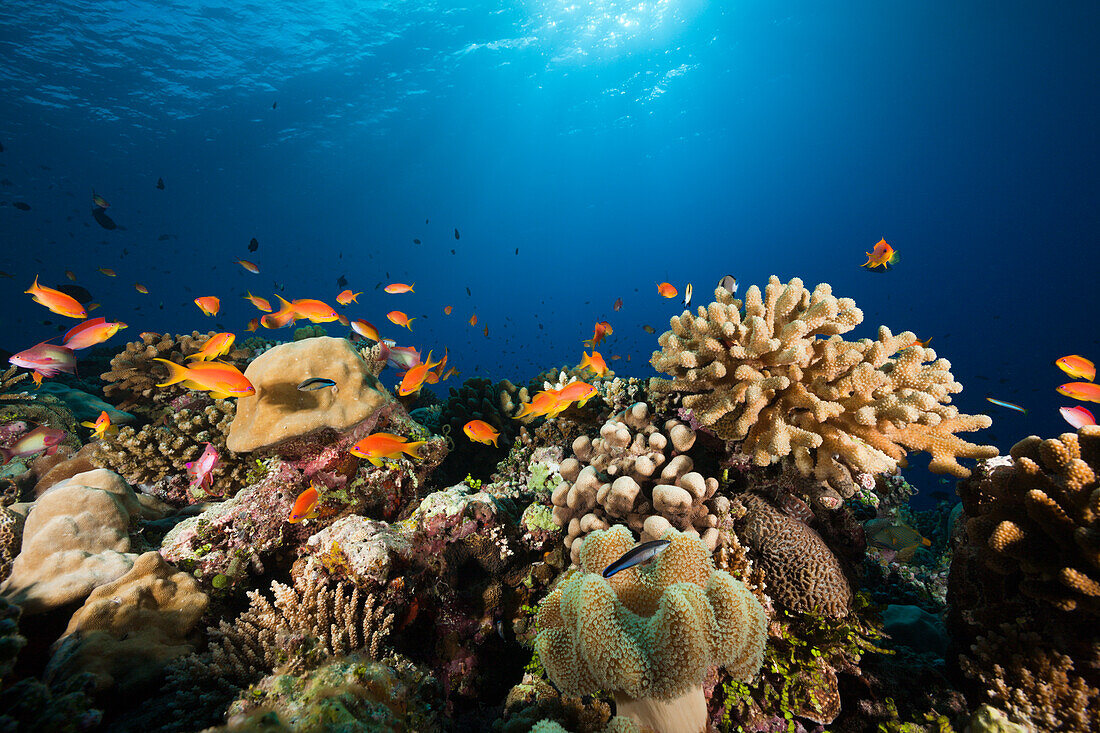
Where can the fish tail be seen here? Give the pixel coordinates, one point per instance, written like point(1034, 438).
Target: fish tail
point(893, 259)
point(5, 455)
point(176, 372)
point(409, 449)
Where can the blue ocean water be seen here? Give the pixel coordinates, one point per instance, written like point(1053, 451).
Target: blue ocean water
point(614, 145)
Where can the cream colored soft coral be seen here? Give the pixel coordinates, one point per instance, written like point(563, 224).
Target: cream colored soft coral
point(650, 633)
point(775, 373)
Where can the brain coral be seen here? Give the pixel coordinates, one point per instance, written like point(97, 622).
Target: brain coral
point(651, 632)
point(802, 572)
point(778, 376)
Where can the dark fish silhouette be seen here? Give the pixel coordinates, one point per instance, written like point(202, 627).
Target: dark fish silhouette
point(315, 383)
point(452, 251)
point(416, 241)
point(341, 281)
point(1, 147)
point(649, 329)
point(253, 245)
point(425, 221)
point(22, 206)
point(468, 290)
point(102, 219)
point(636, 556)
point(160, 184)
point(456, 233)
point(274, 104)
point(517, 250)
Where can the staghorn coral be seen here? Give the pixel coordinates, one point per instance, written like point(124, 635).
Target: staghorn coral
point(128, 628)
point(8, 380)
point(650, 633)
point(1033, 683)
point(1038, 520)
point(801, 571)
point(636, 473)
point(157, 452)
point(133, 376)
point(779, 377)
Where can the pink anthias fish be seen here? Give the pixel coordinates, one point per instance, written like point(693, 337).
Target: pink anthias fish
point(40, 439)
point(47, 359)
point(201, 471)
point(403, 357)
point(1078, 416)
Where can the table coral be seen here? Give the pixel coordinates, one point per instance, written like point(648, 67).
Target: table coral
point(128, 628)
point(651, 632)
point(801, 571)
point(778, 376)
point(637, 473)
point(75, 539)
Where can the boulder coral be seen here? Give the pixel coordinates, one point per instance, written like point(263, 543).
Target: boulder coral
point(650, 633)
point(775, 373)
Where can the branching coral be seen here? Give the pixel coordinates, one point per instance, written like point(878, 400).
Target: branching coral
point(636, 473)
point(158, 451)
point(650, 633)
point(778, 376)
point(133, 376)
point(801, 571)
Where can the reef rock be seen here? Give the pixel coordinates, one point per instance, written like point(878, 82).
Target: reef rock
point(74, 540)
point(280, 411)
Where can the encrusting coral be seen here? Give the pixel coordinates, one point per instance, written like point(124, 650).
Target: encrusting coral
point(801, 572)
point(128, 628)
point(636, 473)
point(133, 376)
point(778, 376)
point(650, 633)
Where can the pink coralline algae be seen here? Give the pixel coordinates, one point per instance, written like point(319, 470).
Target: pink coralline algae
point(11, 431)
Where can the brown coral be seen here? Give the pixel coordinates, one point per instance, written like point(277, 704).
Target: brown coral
point(779, 377)
point(133, 376)
point(801, 571)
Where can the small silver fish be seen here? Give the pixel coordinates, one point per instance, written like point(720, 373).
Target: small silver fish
point(729, 282)
point(687, 296)
point(315, 383)
point(636, 556)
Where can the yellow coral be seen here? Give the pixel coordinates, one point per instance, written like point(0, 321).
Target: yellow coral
point(779, 377)
point(649, 633)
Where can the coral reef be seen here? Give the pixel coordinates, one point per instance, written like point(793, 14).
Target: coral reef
point(650, 633)
point(132, 380)
point(637, 473)
point(478, 399)
point(128, 628)
point(280, 411)
point(801, 572)
point(75, 539)
point(778, 377)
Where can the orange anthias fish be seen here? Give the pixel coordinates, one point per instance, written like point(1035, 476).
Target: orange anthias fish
point(102, 426)
point(415, 376)
point(305, 506)
point(667, 290)
point(541, 404)
point(107, 271)
point(400, 319)
point(1078, 416)
point(365, 329)
point(481, 431)
point(1077, 367)
point(579, 392)
point(221, 380)
point(882, 256)
point(217, 345)
point(90, 333)
point(208, 304)
point(56, 301)
point(250, 266)
point(1084, 391)
point(473, 320)
point(447, 309)
point(486, 330)
point(258, 302)
point(99, 200)
point(618, 304)
point(315, 311)
point(434, 376)
point(918, 342)
point(141, 288)
point(399, 288)
point(253, 324)
point(385, 445)
point(346, 296)
point(594, 363)
point(603, 330)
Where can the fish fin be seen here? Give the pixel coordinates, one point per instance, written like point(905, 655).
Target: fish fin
point(176, 372)
point(220, 395)
point(313, 514)
point(376, 461)
point(410, 448)
point(88, 424)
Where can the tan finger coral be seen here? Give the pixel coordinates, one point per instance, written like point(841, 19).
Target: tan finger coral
point(650, 633)
point(774, 373)
point(127, 629)
point(635, 472)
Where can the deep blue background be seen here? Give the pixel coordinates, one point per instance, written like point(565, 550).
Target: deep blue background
point(616, 147)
